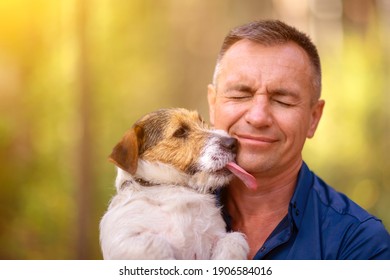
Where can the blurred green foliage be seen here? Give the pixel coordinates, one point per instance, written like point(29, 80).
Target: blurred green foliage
point(74, 75)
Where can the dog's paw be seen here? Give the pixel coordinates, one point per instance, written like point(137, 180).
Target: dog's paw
point(232, 246)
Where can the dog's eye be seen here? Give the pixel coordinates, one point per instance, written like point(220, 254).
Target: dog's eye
point(181, 132)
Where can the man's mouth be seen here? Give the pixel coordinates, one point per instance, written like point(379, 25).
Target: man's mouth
point(256, 139)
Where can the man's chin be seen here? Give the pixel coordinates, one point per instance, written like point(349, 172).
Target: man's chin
point(254, 166)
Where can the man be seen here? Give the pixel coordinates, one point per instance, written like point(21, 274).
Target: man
point(266, 93)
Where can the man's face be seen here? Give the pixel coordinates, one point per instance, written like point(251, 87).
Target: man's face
point(264, 98)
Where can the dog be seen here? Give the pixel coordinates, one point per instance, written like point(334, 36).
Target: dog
point(169, 164)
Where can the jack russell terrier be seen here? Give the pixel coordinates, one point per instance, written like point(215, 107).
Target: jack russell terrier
point(168, 166)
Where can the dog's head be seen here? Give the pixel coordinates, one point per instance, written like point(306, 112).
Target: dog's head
point(177, 147)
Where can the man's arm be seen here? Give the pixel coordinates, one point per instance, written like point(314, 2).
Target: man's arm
point(368, 241)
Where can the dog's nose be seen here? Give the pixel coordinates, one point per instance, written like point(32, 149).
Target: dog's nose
point(229, 143)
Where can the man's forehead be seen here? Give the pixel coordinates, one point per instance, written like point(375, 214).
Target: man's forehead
point(255, 63)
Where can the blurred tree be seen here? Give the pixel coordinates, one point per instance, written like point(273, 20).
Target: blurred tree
point(85, 193)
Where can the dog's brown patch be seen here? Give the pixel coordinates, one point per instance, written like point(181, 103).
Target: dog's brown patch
point(183, 135)
point(171, 136)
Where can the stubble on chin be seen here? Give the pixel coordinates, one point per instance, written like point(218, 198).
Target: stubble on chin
point(256, 163)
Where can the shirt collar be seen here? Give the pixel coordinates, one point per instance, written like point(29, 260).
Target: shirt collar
point(301, 193)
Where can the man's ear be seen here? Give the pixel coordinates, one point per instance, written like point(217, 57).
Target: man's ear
point(316, 114)
point(125, 153)
point(211, 97)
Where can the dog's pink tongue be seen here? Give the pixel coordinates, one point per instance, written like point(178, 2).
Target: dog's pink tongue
point(241, 174)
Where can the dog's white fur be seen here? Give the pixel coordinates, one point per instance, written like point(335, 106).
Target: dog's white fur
point(176, 219)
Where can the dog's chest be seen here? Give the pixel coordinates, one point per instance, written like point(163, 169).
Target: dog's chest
point(190, 221)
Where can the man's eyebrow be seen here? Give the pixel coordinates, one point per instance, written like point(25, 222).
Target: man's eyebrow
point(284, 92)
point(240, 87)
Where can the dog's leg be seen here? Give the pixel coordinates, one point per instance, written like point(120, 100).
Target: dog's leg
point(146, 246)
point(232, 246)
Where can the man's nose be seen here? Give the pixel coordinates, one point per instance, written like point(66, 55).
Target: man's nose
point(259, 112)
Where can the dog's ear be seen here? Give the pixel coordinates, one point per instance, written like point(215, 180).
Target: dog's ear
point(125, 153)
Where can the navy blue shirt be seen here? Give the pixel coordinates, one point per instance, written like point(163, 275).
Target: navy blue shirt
point(324, 224)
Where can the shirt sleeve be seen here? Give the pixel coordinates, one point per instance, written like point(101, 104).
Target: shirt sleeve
point(368, 241)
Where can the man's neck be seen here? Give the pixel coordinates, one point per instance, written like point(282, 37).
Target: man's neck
point(272, 192)
point(257, 213)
